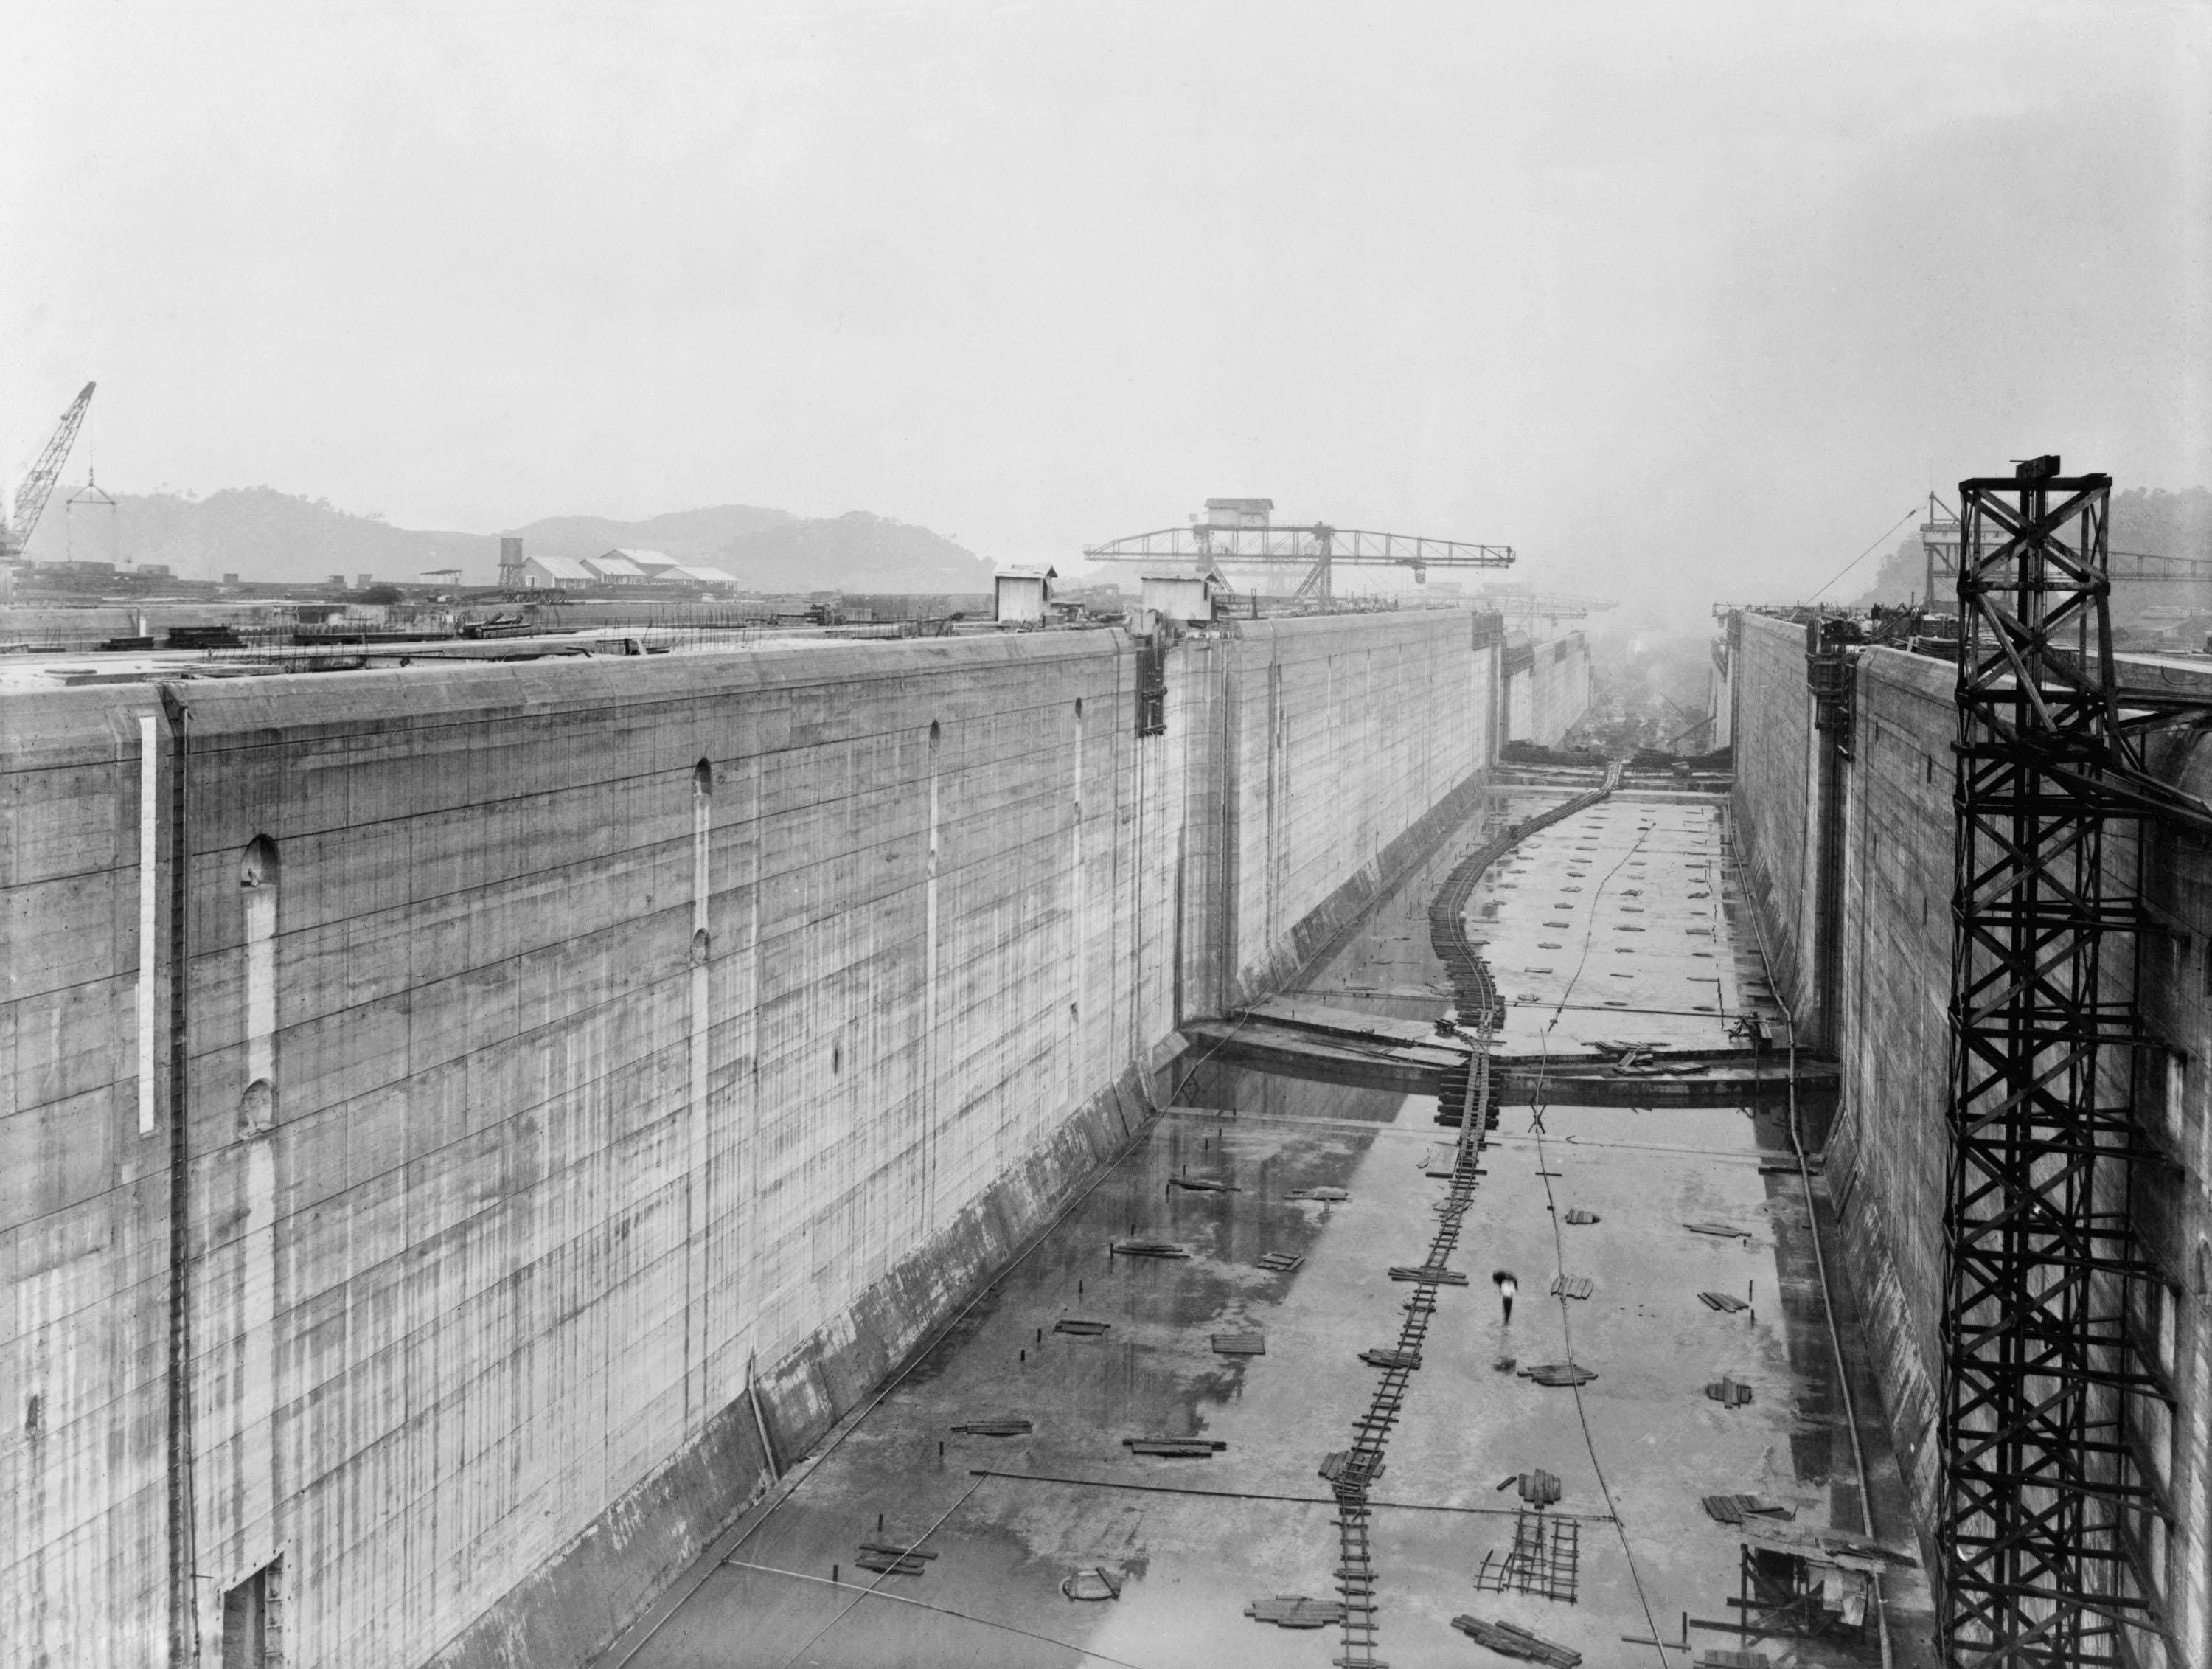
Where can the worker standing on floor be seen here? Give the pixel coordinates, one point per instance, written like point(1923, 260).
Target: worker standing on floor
point(1507, 1286)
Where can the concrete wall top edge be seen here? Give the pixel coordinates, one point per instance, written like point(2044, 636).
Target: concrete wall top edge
point(1411, 621)
point(44, 728)
point(346, 700)
point(1937, 680)
point(1757, 624)
point(57, 723)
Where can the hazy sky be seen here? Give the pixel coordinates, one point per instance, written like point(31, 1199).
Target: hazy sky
point(1682, 299)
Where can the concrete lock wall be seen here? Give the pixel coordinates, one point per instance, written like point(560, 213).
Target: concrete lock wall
point(1889, 1147)
point(1309, 707)
point(1773, 799)
point(597, 1076)
point(1547, 688)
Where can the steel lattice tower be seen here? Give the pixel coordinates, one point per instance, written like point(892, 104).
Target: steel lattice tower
point(2039, 1255)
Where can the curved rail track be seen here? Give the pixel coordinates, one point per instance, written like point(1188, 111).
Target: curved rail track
point(1470, 1091)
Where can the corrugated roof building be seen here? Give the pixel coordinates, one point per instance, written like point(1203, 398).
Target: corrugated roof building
point(554, 574)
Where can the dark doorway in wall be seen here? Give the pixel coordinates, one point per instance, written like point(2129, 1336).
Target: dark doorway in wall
point(252, 1626)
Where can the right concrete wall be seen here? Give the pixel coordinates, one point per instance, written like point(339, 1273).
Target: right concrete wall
point(1774, 779)
point(1889, 1147)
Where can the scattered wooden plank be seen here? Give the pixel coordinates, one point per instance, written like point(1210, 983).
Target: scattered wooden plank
point(1558, 1374)
point(1734, 1509)
point(1240, 1344)
point(1509, 1642)
point(1722, 1301)
point(1538, 1488)
point(1338, 1462)
point(997, 1425)
point(1727, 1393)
point(1175, 1448)
point(884, 1560)
point(1391, 1357)
point(1296, 1611)
point(1079, 1327)
point(1149, 1249)
point(1719, 1230)
point(1281, 1262)
point(1572, 1286)
point(1327, 1195)
point(1427, 1274)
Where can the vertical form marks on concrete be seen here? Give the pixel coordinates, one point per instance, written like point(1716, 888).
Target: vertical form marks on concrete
point(1073, 954)
point(698, 1206)
point(1777, 791)
point(149, 877)
point(484, 1186)
point(928, 1084)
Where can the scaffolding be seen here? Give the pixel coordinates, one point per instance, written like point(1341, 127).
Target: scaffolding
point(2039, 1365)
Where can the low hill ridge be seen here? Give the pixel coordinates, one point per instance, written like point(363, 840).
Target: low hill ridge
point(262, 534)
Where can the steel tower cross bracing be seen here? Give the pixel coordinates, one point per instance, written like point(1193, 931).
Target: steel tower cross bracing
point(2037, 1366)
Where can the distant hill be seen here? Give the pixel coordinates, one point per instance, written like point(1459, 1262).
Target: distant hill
point(2146, 519)
point(855, 551)
point(260, 533)
point(692, 535)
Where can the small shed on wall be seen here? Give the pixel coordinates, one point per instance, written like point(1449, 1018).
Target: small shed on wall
point(1187, 596)
point(1022, 595)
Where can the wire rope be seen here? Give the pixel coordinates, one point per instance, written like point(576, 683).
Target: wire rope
point(1559, 1251)
point(873, 1592)
point(1869, 551)
point(815, 1640)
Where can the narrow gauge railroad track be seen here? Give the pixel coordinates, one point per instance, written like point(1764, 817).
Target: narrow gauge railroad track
point(1471, 1091)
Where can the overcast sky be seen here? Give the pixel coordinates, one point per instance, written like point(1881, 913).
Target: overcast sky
point(1684, 301)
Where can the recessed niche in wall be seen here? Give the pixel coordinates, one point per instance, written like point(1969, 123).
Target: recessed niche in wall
point(256, 1108)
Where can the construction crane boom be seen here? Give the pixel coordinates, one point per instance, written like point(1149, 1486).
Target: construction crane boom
point(39, 485)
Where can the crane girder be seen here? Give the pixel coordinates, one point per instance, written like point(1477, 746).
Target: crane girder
point(1554, 604)
point(39, 485)
point(1317, 543)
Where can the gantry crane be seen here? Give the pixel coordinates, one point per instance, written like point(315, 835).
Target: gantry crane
point(1239, 533)
point(39, 485)
point(1940, 539)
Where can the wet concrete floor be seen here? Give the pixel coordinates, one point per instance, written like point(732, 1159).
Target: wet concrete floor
point(1191, 1541)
